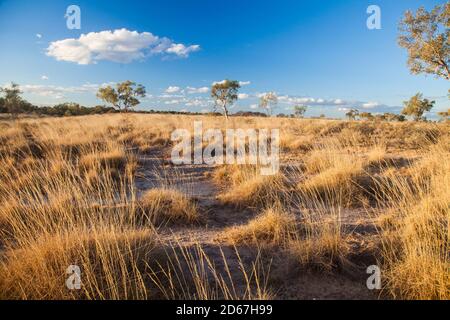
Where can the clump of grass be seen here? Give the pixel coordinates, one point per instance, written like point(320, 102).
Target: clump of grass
point(168, 206)
point(322, 248)
point(294, 143)
point(274, 225)
point(115, 158)
point(377, 155)
point(248, 188)
point(332, 171)
point(256, 192)
point(337, 185)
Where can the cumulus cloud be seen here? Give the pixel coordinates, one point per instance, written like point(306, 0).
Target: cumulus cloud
point(38, 35)
point(44, 77)
point(193, 90)
point(181, 50)
point(242, 96)
point(121, 46)
point(173, 89)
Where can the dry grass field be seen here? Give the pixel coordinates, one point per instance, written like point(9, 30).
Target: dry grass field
point(101, 192)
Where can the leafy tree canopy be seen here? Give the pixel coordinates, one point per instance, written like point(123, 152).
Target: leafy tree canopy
point(124, 96)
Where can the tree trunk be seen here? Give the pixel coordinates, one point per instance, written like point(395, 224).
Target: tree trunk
point(225, 110)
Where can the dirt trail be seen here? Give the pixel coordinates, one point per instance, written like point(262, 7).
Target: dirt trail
point(155, 170)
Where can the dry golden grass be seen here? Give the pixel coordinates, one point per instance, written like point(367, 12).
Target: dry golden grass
point(272, 226)
point(166, 205)
point(111, 263)
point(332, 171)
point(67, 196)
point(191, 274)
point(416, 240)
point(247, 187)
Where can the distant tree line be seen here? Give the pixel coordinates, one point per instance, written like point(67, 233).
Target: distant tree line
point(59, 110)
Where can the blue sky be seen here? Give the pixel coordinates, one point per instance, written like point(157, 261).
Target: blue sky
point(318, 53)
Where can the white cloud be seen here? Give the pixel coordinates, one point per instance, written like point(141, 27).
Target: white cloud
point(305, 100)
point(59, 92)
point(38, 35)
point(253, 106)
point(311, 101)
point(121, 46)
point(181, 50)
point(370, 105)
point(44, 77)
point(242, 96)
point(174, 101)
point(198, 102)
point(193, 90)
point(173, 89)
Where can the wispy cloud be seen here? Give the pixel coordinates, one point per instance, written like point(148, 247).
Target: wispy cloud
point(59, 92)
point(121, 46)
point(312, 101)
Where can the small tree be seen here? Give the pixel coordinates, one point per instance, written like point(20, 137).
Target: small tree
point(225, 93)
point(12, 100)
point(445, 115)
point(268, 102)
point(388, 116)
point(124, 96)
point(352, 114)
point(366, 115)
point(299, 111)
point(426, 36)
point(417, 106)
